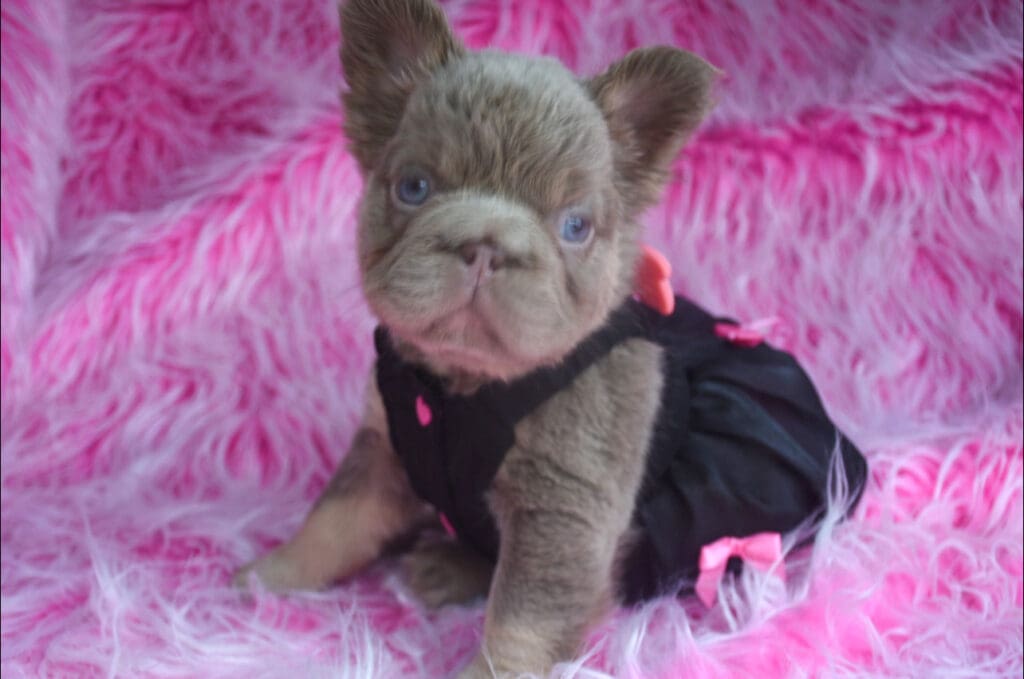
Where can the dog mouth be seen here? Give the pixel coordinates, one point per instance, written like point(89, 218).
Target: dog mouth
point(470, 327)
point(465, 337)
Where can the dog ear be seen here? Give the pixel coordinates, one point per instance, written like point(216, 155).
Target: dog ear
point(652, 100)
point(387, 48)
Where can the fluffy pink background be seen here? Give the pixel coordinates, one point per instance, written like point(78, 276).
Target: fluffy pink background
point(184, 345)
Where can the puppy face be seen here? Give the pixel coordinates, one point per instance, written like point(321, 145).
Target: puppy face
point(498, 222)
point(491, 235)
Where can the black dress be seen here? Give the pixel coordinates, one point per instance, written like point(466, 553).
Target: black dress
point(742, 443)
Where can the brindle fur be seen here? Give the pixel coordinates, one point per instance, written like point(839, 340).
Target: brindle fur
point(509, 144)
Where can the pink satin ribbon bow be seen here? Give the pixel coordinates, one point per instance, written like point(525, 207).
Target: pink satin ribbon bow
point(759, 551)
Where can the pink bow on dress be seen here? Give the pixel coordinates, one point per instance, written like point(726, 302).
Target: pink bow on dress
point(760, 551)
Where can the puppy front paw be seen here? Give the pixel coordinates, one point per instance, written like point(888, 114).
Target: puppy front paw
point(277, 571)
point(442, 572)
point(480, 668)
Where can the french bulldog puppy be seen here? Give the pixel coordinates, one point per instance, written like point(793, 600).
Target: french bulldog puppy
point(498, 230)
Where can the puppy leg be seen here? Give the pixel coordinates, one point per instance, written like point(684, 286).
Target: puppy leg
point(366, 505)
point(442, 571)
point(554, 579)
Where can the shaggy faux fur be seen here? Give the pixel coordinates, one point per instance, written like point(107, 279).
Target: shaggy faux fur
point(184, 344)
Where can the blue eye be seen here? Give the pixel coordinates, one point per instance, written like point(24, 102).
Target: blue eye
point(575, 229)
point(412, 189)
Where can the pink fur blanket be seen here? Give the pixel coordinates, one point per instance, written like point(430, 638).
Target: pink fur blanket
point(184, 344)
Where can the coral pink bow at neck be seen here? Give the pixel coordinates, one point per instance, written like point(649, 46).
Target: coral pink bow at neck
point(760, 551)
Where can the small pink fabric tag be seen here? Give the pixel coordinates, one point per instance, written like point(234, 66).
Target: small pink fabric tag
point(448, 527)
point(740, 335)
point(652, 285)
point(423, 413)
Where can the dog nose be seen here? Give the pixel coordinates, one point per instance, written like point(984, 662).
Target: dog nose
point(483, 256)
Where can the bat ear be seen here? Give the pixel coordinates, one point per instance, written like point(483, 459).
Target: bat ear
point(652, 99)
point(387, 48)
